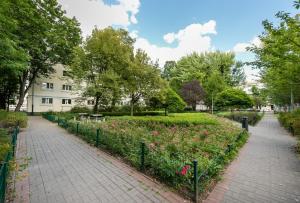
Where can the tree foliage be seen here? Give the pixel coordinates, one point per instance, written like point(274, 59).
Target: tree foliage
point(214, 71)
point(41, 36)
point(233, 98)
point(101, 63)
point(278, 58)
point(192, 92)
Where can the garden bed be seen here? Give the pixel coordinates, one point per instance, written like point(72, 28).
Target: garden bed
point(171, 143)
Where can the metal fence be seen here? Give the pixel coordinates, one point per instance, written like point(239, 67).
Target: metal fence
point(4, 167)
point(199, 177)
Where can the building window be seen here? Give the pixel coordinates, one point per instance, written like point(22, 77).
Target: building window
point(90, 102)
point(66, 101)
point(47, 100)
point(47, 85)
point(66, 73)
point(67, 87)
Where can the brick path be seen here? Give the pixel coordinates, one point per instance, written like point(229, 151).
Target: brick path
point(266, 170)
point(64, 168)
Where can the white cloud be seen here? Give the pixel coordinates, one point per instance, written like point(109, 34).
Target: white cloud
point(91, 13)
point(241, 47)
point(193, 38)
point(134, 34)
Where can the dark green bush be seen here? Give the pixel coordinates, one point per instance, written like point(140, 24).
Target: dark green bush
point(4, 144)
point(291, 121)
point(253, 117)
point(80, 109)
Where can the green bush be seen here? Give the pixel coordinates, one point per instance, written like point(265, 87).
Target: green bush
point(4, 144)
point(233, 98)
point(11, 119)
point(291, 121)
point(80, 109)
point(253, 117)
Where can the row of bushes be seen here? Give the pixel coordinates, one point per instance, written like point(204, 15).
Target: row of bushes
point(11, 119)
point(253, 117)
point(291, 121)
point(171, 144)
point(4, 144)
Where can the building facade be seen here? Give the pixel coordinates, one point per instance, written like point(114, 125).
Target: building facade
point(55, 93)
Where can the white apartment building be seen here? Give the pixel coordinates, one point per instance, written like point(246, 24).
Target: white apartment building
point(55, 93)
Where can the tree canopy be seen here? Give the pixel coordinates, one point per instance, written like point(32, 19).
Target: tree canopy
point(233, 98)
point(278, 58)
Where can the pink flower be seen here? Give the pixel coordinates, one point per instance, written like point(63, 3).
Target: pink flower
point(184, 170)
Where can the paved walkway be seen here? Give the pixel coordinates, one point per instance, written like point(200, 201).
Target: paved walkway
point(266, 170)
point(64, 168)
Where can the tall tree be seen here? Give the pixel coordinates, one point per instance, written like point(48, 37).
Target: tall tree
point(192, 92)
point(168, 68)
point(13, 59)
point(238, 76)
point(47, 35)
point(142, 79)
point(278, 58)
point(102, 63)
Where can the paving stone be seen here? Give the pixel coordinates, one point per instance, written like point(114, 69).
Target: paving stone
point(266, 170)
point(65, 169)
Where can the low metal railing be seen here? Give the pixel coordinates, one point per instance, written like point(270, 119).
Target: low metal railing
point(4, 167)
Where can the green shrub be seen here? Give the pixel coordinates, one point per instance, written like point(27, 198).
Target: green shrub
point(291, 121)
point(4, 144)
point(80, 109)
point(253, 117)
point(11, 119)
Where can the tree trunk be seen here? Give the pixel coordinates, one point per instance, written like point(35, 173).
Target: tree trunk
point(2, 102)
point(22, 93)
point(166, 112)
point(131, 107)
point(95, 110)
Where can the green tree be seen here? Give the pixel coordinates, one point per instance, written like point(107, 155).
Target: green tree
point(168, 68)
point(46, 35)
point(238, 76)
point(233, 98)
point(142, 79)
point(168, 99)
point(13, 59)
point(102, 63)
point(213, 70)
point(278, 58)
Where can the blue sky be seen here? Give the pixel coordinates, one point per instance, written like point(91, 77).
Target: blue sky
point(170, 29)
point(237, 20)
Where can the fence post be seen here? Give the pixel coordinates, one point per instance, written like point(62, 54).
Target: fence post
point(77, 128)
point(245, 123)
point(195, 180)
point(142, 156)
point(97, 137)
